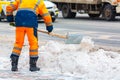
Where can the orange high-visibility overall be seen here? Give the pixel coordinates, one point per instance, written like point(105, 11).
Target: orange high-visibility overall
point(26, 23)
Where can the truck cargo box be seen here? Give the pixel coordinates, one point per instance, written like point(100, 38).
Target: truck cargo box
point(107, 9)
point(79, 1)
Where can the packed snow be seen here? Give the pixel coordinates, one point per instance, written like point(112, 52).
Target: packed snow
point(78, 61)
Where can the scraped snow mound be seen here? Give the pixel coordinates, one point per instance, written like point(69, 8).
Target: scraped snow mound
point(76, 59)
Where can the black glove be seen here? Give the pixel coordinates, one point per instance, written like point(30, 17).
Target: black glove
point(12, 24)
point(49, 28)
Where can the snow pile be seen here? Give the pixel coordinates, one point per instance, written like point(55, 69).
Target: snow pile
point(72, 59)
point(77, 60)
point(4, 63)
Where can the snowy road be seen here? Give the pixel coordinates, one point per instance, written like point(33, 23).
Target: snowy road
point(59, 61)
point(8, 75)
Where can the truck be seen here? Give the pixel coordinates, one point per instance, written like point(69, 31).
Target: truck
point(108, 9)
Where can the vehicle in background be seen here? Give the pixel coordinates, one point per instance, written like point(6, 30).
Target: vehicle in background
point(3, 4)
point(52, 8)
point(109, 9)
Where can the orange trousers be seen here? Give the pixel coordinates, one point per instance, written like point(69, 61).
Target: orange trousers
point(33, 41)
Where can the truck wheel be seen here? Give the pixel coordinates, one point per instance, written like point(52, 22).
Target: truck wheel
point(66, 12)
point(94, 15)
point(72, 14)
point(108, 12)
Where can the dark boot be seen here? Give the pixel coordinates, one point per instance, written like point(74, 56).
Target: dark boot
point(14, 62)
point(33, 61)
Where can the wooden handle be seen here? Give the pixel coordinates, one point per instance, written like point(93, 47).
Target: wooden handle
point(43, 31)
point(53, 34)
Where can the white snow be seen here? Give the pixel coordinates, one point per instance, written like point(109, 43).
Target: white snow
point(75, 60)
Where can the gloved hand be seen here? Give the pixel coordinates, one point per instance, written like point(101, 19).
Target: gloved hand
point(12, 23)
point(10, 18)
point(49, 28)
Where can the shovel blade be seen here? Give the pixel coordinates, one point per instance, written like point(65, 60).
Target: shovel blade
point(73, 39)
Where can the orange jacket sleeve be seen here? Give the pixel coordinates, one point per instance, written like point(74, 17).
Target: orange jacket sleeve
point(12, 7)
point(42, 10)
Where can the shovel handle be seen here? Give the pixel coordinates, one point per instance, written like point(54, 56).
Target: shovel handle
point(43, 31)
point(53, 34)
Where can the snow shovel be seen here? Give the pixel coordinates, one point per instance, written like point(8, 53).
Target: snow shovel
point(69, 38)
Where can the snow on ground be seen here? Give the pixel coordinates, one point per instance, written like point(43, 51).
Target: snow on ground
point(59, 61)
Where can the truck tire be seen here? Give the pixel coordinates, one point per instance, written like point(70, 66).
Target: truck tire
point(72, 14)
point(108, 13)
point(94, 15)
point(66, 12)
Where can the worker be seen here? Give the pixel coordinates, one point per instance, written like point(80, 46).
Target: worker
point(26, 24)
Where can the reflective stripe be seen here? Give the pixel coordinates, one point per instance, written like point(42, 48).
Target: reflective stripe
point(9, 13)
point(36, 5)
point(34, 10)
point(15, 53)
point(20, 1)
point(34, 56)
point(46, 14)
point(17, 48)
point(34, 50)
point(13, 7)
point(49, 24)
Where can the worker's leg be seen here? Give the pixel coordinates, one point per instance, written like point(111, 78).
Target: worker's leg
point(20, 33)
point(33, 51)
